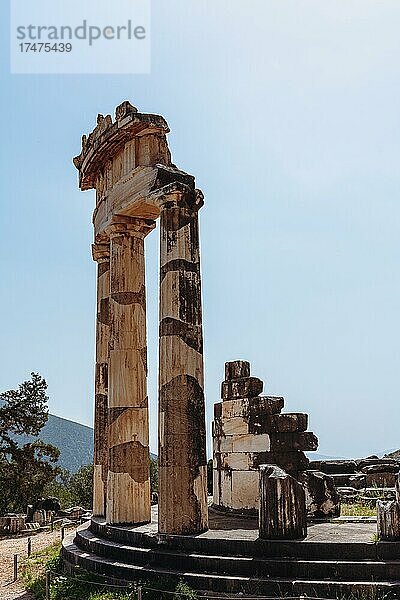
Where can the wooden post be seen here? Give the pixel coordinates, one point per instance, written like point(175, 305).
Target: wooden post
point(15, 567)
point(29, 546)
point(388, 520)
point(62, 532)
point(182, 461)
point(139, 593)
point(48, 584)
point(282, 505)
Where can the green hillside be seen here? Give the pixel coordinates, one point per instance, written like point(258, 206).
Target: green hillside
point(75, 441)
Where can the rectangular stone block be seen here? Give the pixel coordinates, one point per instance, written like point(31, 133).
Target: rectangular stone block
point(289, 422)
point(235, 461)
point(247, 387)
point(288, 461)
point(223, 444)
point(339, 467)
point(250, 461)
point(235, 426)
point(245, 490)
point(217, 427)
point(380, 480)
point(280, 423)
point(251, 443)
point(237, 369)
point(218, 410)
point(368, 462)
point(223, 488)
point(252, 408)
point(382, 467)
point(286, 442)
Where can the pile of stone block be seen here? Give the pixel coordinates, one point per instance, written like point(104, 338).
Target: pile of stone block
point(250, 430)
point(12, 523)
point(354, 478)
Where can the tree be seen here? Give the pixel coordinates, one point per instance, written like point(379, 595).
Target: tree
point(80, 487)
point(25, 469)
point(154, 474)
point(74, 489)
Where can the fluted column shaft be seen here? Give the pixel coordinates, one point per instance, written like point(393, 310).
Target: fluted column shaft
point(128, 485)
point(101, 254)
point(182, 434)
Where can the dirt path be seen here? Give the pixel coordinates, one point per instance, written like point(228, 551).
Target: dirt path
point(10, 590)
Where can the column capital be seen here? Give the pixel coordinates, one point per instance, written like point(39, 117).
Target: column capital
point(181, 196)
point(133, 226)
point(101, 252)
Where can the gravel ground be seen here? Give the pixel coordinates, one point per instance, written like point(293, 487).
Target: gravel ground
point(18, 545)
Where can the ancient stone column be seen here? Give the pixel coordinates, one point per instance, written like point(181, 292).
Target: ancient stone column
point(101, 254)
point(182, 434)
point(128, 484)
point(282, 506)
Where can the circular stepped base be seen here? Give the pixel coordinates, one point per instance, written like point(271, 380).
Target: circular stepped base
point(335, 559)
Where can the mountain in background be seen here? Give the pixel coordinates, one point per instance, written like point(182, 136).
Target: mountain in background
point(75, 442)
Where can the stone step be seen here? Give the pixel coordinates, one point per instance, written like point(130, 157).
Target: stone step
point(364, 570)
point(231, 584)
point(216, 544)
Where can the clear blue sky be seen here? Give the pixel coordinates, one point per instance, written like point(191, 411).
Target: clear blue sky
point(288, 113)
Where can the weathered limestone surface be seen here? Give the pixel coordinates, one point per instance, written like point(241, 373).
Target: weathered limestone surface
point(128, 489)
point(182, 472)
point(388, 520)
point(322, 498)
point(128, 162)
point(250, 431)
point(282, 505)
point(101, 254)
point(388, 516)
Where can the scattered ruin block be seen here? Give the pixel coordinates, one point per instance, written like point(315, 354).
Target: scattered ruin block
point(348, 494)
point(388, 520)
point(282, 506)
point(380, 480)
point(12, 523)
point(382, 467)
point(361, 473)
point(250, 430)
point(335, 467)
point(322, 498)
point(374, 460)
